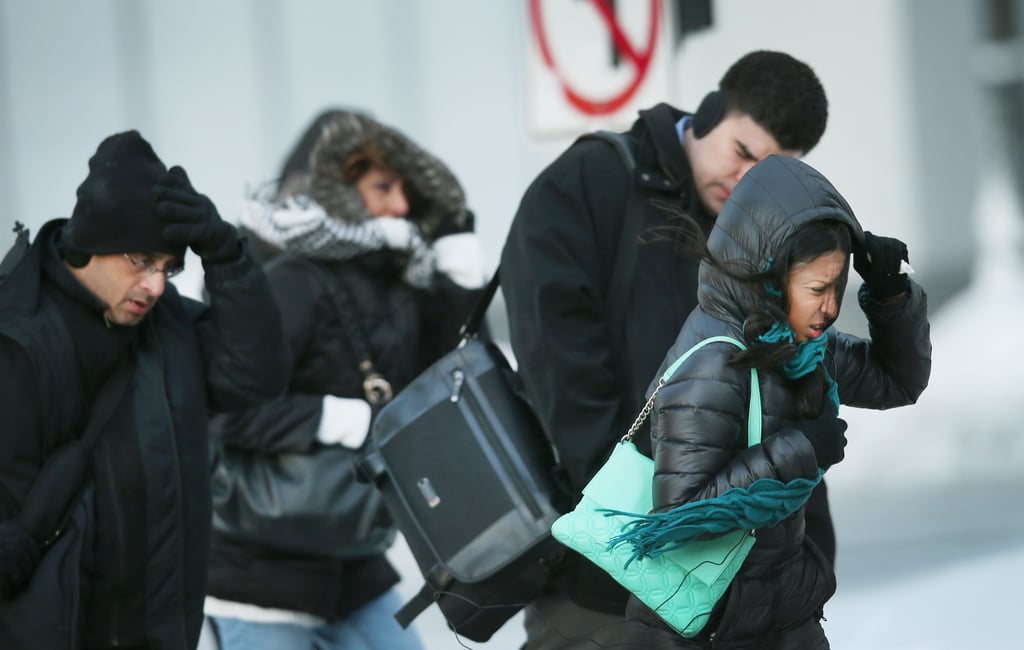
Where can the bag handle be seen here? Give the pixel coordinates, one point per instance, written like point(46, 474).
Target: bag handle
point(754, 413)
point(471, 327)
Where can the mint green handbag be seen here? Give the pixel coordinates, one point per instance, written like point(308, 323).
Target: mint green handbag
point(683, 584)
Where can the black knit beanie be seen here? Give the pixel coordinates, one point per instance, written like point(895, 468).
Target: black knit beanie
point(115, 212)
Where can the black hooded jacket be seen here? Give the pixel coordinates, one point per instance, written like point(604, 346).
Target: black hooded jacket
point(406, 329)
point(700, 416)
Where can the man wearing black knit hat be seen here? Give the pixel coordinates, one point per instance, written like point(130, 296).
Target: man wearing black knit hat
point(108, 379)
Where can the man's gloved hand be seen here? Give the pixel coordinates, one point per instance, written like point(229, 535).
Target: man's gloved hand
point(456, 223)
point(192, 220)
point(827, 435)
point(878, 263)
point(19, 555)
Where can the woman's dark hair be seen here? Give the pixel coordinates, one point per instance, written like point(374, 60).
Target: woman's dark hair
point(806, 244)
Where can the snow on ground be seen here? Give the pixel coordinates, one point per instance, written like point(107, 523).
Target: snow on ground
point(968, 605)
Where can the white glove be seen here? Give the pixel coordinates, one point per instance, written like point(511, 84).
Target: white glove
point(344, 421)
point(461, 259)
point(397, 233)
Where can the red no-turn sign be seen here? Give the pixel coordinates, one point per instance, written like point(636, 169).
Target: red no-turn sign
point(593, 60)
point(638, 58)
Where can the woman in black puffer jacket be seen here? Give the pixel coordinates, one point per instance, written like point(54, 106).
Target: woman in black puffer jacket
point(773, 275)
point(371, 253)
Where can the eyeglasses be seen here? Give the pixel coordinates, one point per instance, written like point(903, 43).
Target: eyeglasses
point(145, 266)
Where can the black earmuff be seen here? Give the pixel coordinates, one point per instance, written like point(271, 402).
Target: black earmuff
point(709, 113)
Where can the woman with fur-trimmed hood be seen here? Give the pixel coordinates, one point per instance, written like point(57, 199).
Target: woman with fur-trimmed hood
point(371, 254)
point(772, 275)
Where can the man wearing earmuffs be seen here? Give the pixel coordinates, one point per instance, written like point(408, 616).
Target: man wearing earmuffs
point(591, 319)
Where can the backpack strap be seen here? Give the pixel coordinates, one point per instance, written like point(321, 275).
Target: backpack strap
point(625, 256)
point(632, 226)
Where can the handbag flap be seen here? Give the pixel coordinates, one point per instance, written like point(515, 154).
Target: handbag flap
point(615, 486)
point(681, 585)
point(465, 465)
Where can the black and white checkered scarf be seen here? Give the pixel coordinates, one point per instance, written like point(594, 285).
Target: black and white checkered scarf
point(301, 226)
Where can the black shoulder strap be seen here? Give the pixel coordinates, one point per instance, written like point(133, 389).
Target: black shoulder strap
point(108, 399)
point(471, 327)
point(376, 388)
point(64, 475)
point(625, 258)
point(632, 225)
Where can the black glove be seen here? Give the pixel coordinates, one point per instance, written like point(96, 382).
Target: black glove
point(878, 263)
point(19, 554)
point(192, 220)
point(455, 223)
point(827, 435)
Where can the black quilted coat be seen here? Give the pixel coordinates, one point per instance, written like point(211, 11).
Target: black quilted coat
point(699, 426)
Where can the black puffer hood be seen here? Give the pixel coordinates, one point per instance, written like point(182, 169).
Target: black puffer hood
point(431, 188)
point(776, 197)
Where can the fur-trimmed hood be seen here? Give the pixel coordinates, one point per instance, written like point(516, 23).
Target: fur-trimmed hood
point(431, 188)
point(775, 198)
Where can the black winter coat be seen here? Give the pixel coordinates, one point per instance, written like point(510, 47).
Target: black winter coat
point(699, 423)
point(556, 271)
point(407, 329)
point(146, 578)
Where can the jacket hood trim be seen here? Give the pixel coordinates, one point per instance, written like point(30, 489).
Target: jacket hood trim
point(431, 188)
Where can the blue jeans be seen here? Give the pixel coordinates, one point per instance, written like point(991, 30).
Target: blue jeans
point(372, 627)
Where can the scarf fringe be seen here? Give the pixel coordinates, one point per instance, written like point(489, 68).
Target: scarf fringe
point(762, 505)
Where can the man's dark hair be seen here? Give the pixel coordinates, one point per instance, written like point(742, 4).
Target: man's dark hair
point(781, 94)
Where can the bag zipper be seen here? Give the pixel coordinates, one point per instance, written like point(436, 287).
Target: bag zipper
point(473, 406)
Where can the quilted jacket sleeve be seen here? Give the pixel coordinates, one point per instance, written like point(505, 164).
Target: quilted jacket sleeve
point(891, 368)
point(701, 421)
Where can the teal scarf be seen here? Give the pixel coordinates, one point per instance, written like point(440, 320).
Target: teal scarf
point(763, 504)
point(808, 355)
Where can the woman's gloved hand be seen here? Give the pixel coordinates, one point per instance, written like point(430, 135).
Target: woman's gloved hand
point(827, 434)
point(344, 421)
point(457, 246)
point(878, 263)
